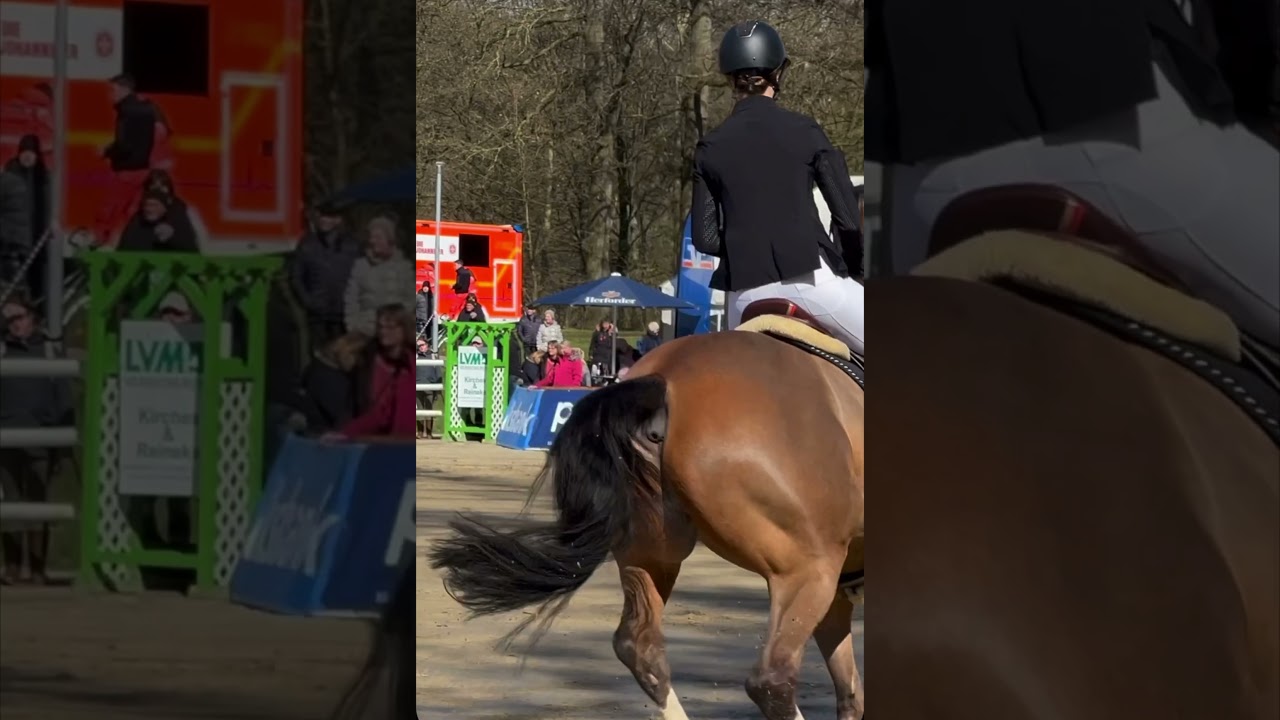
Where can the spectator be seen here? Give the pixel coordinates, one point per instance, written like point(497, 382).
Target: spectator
point(161, 182)
point(155, 229)
point(650, 340)
point(549, 331)
point(471, 310)
point(129, 153)
point(328, 384)
point(527, 329)
point(29, 402)
point(15, 228)
point(381, 278)
point(550, 357)
point(562, 370)
point(601, 347)
point(385, 392)
point(422, 305)
point(427, 375)
point(464, 279)
point(319, 273)
point(28, 164)
point(626, 355)
point(575, 355)
point(175, 308)
point(531, 370)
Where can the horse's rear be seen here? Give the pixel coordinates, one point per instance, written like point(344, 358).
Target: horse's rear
point(761, 437)
point(746, 442)
point(1076, 527)
point(763, 459)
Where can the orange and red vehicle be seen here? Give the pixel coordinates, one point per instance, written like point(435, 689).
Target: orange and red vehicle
point(226, 78)
point(493, 253)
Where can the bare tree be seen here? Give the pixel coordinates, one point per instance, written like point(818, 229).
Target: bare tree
point(579, 119)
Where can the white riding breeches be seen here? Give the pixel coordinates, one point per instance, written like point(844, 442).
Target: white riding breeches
point(834, 301)
point(1200, 197)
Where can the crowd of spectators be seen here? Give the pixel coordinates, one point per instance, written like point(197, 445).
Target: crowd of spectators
point(357, 296)
point(550, 360)
point(345, 297)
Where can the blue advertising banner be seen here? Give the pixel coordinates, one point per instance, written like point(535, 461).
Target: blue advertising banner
point(517, 423)
point(376, 540)
point(535, 416)
point(693, 284)
point(330, 530)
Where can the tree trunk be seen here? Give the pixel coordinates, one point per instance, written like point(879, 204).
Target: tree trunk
point(698, 56)
point(540, 256)
point(599, 230)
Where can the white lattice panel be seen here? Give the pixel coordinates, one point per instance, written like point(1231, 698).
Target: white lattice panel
point(455, 415)
point(232, 513)
point(498, 398)
point(115, 534)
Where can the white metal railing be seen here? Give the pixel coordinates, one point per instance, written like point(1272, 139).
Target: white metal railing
point(430, 387)
point(38, 437)
point(40, 367)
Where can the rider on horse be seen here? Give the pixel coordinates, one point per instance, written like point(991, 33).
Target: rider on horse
point(752, 197)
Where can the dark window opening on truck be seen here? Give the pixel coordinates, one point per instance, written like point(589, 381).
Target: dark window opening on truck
point(166, 47)
point(473, 250)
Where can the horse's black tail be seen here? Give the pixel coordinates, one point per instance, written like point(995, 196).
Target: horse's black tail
point(598, 473)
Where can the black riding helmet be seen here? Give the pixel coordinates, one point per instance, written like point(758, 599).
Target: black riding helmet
point(752, 45)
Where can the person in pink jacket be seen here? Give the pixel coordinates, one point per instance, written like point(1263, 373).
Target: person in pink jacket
point(562, 371)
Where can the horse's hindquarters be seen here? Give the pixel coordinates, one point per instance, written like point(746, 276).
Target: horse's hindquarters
point(1070, 526)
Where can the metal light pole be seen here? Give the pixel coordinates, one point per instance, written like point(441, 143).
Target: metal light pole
point(53, 269)
point(435, 296)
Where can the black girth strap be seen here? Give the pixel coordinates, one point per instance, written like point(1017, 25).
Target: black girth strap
point(1255, 397)
point(855, 369)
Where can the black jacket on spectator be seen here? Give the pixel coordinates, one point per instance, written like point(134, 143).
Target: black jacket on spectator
point(527, 331)
point(319, 271)
point(33, 402)
point(476, 315)
point(135, 135)
point(1047, 69)
point(15, 212)
point(331, 396)
point(531, 373)
point(753, 196)
point(140, 234)
point(602, 348)
point(37, 182)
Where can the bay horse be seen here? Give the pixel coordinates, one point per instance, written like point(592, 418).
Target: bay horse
point(1082, 518)
point(737, 440)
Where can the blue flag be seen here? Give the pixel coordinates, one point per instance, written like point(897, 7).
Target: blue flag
point(693, 284)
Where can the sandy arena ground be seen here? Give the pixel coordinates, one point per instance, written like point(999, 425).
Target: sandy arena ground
point(67, 653)
point(714, 623)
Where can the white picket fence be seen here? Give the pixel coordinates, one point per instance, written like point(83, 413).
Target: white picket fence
point(19, 511)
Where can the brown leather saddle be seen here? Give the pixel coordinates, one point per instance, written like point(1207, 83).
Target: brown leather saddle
point(854, 367)
point(1044, 208)
point(782, 307)
point(1068, 217)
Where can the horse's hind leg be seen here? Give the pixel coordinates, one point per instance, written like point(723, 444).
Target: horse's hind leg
point(834, 636)
point(638, 642)
point(796, 605)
